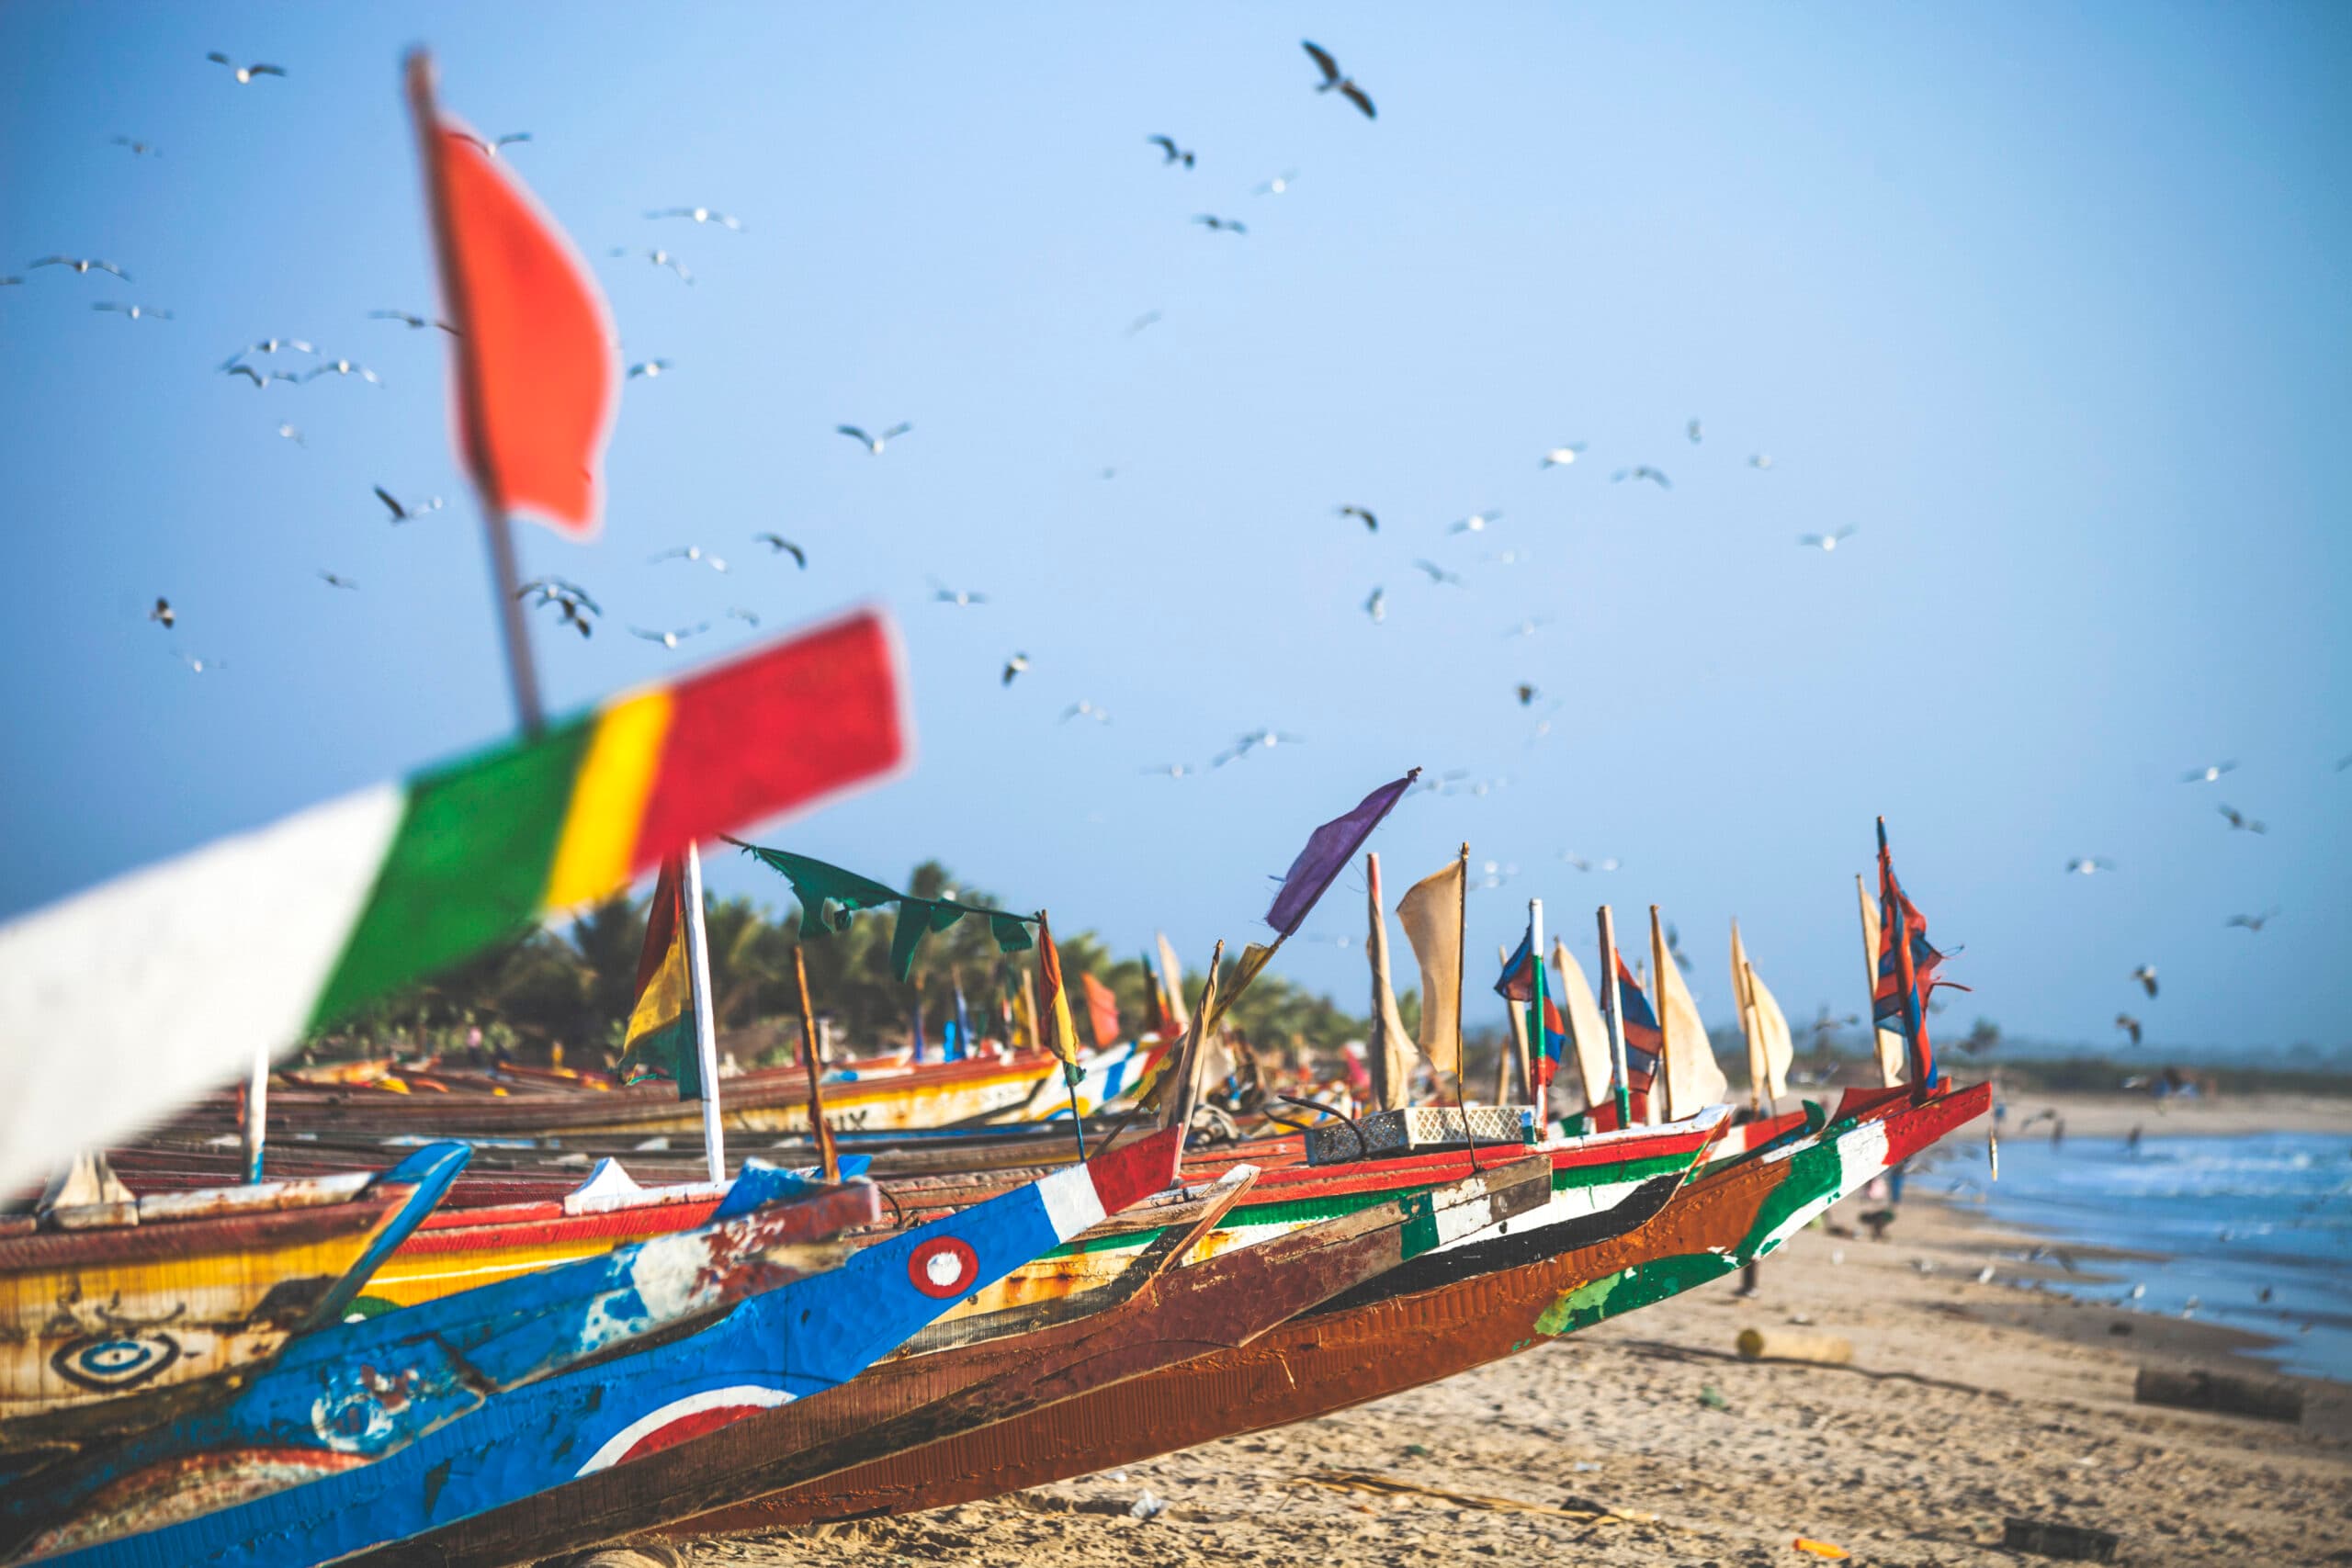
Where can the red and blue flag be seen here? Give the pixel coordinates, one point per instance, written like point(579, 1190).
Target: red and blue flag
point(1645, 1042)
point(1908, 963)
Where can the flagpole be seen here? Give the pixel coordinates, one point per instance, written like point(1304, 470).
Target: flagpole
point(1665, 1023)
point(1887, 1078)
point(829, 1160)
point(1461, 962)
point(1610, 1003)
point(713, 1136)
point(1743, 996)
point(513, 627)
point(1539, 1093)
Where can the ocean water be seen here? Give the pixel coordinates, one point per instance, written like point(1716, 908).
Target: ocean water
point(2255, 1232)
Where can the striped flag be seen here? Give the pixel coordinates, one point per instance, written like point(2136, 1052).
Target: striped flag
point(1057, 1032)
point(1643, 1042)
point(1522, 982)
point(167, 979)
point(659, 1041)
point(1906, 970)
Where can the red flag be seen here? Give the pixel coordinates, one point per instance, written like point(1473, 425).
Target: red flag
point(536, 381)
point(1103, 1011)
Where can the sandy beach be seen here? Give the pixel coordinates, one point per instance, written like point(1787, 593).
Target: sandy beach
point(1966, 1402)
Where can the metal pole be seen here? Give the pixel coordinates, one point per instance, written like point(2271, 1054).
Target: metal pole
point(1538, 1092)
point(713, 1138)
point(1609, 1004)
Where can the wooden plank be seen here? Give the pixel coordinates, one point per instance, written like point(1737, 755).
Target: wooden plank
point(2232, 1393)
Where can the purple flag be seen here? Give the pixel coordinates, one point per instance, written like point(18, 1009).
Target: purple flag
point(1327, 849)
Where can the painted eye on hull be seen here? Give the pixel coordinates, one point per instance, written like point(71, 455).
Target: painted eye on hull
point(117, 1361)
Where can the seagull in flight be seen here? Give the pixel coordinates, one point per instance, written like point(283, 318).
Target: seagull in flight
point(83, 265)
point(659, 257)
point(962, 598)
point(1148, 318)
point(569, 597)
point(749, 618)
point(1279, 184)
point(2146, 976)
point(2241, 822)
point(700, 215)
point(199, 666)
point(1084, 709)
point(244, 73)
point(1243, 745)
point(138, 148)
point(1526, 694)
point(670, 639)
point(1371, 523)
point(692, 553)
point(267, 345)
point(1169, 151)
point(1334, 80)
point(874, 444)
point(1562, 456)
point(1439, 574)
point(1528, 627)
point(2207, 774)
point(2089, 865)
point(648, 368)
point(2252, 922)
point(1378, 606)
point(290, 433)
point(132, 313)
point(343, 368)
point(778, 545)
point(1759, 459)
point(1609, 864)
point(1477, 521)
point(331, 580)
point(1173, 770)
point(162, 613)
point(1014, 666)
point(1215, 223)
point(1826, 543)
point(1695, 431)
point(261, 378)
point(410, 511)
point(490, 146)
point(411, 321)
point(1641, 471)
point(2129, 1025)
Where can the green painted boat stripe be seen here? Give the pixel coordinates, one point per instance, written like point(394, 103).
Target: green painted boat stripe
point(467, 865)
point(1420, 1224)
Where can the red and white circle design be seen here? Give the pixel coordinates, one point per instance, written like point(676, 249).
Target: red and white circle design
point(681, 1418)
point(942, 1266)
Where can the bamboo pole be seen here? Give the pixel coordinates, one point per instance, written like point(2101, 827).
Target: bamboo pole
point(829, 1160)
point(714, 1134)
point(1658, 962)
point(1610, 1003)
point(1461, 962)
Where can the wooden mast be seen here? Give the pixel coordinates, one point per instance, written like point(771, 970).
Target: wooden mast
point(1610, 1003)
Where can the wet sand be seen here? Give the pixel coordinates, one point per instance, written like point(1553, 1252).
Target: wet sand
point(1966, 1401)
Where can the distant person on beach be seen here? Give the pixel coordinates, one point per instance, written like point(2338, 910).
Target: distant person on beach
point(2131, 1143)
point(2057, 1131)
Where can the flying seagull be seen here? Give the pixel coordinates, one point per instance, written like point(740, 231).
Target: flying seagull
point(1759, 459)
point(750, 618)
point(689, 552)
point(410, 511)
point(1378, 606)
point(659, 257)
point(412, 322)
point(778, 545)
point(133, 312)
point(245, 73)
point(2241, 822)
point(2146, 976)
point(1641, 471)
point(290, 433)
point(2129, 1025)
point(1148, 318)
point(1215, 223)
point(1084, 709)
point(261, 378)
point(1335, 80)
point(1169, 151)
point(2089, 865)
point(1695, 431)
point(268, 345)
point(2251, 922)
point(490, 146)
point(1477, 521)
point(1526, 692)
point(1172, 770)
point(1826, 543)
point(1371, 523)
point(199, 666)
point(331, 580)
point(163, 612)
point(138, 148)
point(1279, 184)
point(670, 639)
point(1609, 864)
point(1562, 456)
point(2207, 774)
point(962, 598)
point(699, 215)
point(1243, 745)
point(1014, 666)
point(571, 599)
point(1439, 574)
point(81, 265)
point(648, 368)
point(872, 444)
point(343, 368)
point(1528, 627)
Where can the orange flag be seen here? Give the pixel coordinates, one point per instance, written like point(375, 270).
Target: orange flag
point(1103, 1010)
point(535, 344)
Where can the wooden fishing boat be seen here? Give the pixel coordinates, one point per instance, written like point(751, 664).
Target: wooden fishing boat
point(1154, 1316)
point(185, 1289)
point(782, 1345)
point(357, 1390)
point(1366, 1345)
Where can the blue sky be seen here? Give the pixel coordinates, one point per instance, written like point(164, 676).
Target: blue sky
point(2045, 301)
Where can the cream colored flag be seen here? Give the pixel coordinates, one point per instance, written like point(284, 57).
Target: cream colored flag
point(1777, 1046)
point(1889, 1043)
point(1431, 913)
point(1391, 1049)
point(1740, 972)
point(1171, 975)
point(1588, 1035)
point(1693, 1079)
